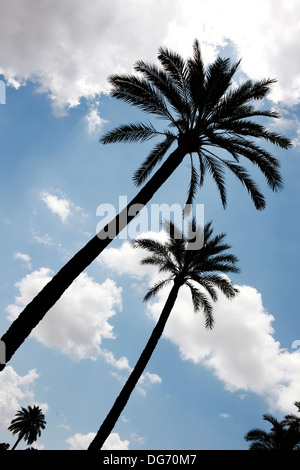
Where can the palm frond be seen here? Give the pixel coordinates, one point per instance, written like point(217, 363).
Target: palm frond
point(172, 230)
point(155, 156)
point(217, 172)
point(130, 133)
point(156, 288)
point(260, 157)
point(193, 187)
point(240, 172)
point(200, 301)
point(239, 98)
point(176, 244)
point(163, 82)
point(151, 245)
point(220, 282)
point(217, 81)
point(140, 93)
point(202, 169)
point(207, 283)
point(176, 67)
point(196, 80)
point(154, 260)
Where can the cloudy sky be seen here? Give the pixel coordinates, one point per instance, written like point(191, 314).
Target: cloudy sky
point(202, 389)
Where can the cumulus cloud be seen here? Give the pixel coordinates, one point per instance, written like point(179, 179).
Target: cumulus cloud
point(79, 321)
point(241, 350)
point(68, 50)
point(82, 441)
point(16, 391)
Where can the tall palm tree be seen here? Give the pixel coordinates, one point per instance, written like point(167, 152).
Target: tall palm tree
point(193, 268)
point(206, 116)
point(28, 424)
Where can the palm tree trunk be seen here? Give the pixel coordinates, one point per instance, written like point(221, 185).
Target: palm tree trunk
point(17, 442)
point(34, 312)
point(121, 401)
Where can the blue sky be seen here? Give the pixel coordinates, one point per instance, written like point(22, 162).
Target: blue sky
point(201, 390)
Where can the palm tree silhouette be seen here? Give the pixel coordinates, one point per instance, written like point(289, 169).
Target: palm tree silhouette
point(206, 116)
point(28, 424)
point(185, 266)
point(284, 435)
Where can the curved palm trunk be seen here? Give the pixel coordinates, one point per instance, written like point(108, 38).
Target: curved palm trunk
point(17, 441)
point(50, 294)
point(121, 401)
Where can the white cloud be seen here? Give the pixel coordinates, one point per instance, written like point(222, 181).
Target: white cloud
point(94, 121)
point(79, 321)
point(64, 208)
point(16, 391)
point(24, 257)
point(69, 50)
point(146, 380)
point(120, 364)
point(268, 41)
point(82, 441)
point(114, 442)
point(241, 350)
point(58, 206)
point(126, 260)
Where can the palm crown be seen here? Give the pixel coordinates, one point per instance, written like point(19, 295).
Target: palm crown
point(204, 267)
point(284, 435)
point(205, 114)
point(28, 424)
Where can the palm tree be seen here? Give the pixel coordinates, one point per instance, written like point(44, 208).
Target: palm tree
point(28, 424)
point(293, 421)
point(192, 268)
point(284, 435)
point(206, 116)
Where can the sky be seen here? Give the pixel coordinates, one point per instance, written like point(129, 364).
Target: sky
point(202, 390)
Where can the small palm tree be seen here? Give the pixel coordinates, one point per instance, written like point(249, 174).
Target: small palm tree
point(28, 424)
point(284, 435)
point(193, 268)
point(208, 119)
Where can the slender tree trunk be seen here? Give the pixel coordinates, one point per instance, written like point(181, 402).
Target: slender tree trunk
point(17, 442)
point(34, 312)
point(121, 401)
